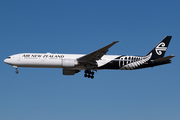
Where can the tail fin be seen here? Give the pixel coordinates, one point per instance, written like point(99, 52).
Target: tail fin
point(160, 49)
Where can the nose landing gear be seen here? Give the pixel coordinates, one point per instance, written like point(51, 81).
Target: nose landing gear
point(16, 69)
point(89, 74)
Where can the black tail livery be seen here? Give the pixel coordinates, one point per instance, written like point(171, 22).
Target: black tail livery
point(160, 49)
point(154, 58)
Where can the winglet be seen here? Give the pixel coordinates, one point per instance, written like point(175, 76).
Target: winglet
point(116, 41)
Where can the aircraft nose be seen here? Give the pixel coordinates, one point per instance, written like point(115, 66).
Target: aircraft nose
point(5, 60)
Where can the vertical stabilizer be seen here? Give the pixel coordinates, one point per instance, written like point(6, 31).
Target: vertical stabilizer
point(160, 49)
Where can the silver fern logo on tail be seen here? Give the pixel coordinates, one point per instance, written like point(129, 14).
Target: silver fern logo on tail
point(137, 63)
point(161, 47)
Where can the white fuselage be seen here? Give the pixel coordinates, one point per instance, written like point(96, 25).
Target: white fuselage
point(49, 60)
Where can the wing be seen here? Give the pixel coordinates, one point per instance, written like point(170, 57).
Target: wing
point(96, 55)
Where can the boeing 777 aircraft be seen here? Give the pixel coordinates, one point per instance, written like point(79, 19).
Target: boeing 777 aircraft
point(97, 60)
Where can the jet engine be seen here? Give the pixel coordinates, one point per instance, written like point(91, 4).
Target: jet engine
point(69, 63)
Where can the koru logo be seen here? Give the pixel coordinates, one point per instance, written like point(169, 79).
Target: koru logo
point(161, 47)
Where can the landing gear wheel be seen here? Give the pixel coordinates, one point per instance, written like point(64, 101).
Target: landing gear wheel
point(17, 71)
point(89, 74)
point(85, 75)
point(92, 73)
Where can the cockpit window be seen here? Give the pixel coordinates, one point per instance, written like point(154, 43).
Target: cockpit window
point(9, 57)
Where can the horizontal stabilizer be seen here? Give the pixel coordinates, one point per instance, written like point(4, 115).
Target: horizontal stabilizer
point(164, 58)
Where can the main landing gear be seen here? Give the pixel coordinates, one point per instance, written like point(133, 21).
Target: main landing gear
point(89, 74)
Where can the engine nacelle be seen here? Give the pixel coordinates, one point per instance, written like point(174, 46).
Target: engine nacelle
point(68, 63)
point(69, 72)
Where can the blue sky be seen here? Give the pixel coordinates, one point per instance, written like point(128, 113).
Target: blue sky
point(79, 26)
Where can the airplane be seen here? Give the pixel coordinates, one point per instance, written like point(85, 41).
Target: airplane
point(97, 60)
